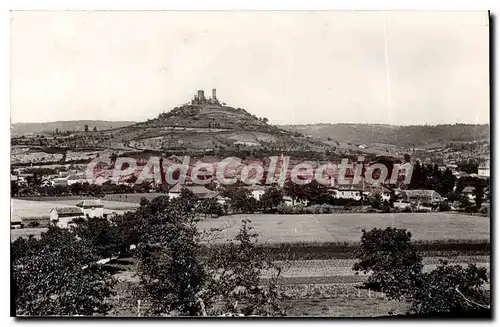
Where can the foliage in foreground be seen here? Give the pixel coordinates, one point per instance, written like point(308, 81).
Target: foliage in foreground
point(176, 279)
point(57, 275)
point(397, 269)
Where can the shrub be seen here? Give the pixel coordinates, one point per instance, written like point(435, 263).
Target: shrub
point(450, 288)
point(33, 224)
point(397, 270)
point(57, 275)
point(392, 258)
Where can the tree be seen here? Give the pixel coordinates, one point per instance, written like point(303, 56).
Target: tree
point(144, 202)
point(316, 193)
point(104, 236)
point(240, 199)
point(376, 201)
point(178, 278)
point(450, 288)
point(14, 188)
point(271, 198)
point(95, 129)
point(210, 207)
point(447, 182)
point(59, 277)
point(392, 258)
point(171, 275)
point(234, 275)
point(159, 204)
point(295, 191)
point(86, 128)
point(478, 193)
point(397, 270)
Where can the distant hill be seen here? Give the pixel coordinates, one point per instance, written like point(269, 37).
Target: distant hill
point(402, 136)
point(72, 125)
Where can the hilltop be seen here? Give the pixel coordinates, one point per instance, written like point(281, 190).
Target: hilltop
point(401, 136)
point(206, 125)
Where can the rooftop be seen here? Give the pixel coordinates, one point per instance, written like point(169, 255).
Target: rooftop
point(90, 203)
point(69, 211)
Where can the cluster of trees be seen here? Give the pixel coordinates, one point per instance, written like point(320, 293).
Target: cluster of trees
point(35, 189)
point(179, 272)
point(429, 177)
point(396, 268)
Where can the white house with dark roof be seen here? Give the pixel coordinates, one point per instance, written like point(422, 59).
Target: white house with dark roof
point(91, 208)
point(63, 217)
point(200, 191)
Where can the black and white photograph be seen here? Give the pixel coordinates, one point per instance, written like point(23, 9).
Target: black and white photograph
point(250, 164)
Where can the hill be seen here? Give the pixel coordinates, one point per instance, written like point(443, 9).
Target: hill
point(73, 125)
point(208, 126)
point(401, 136)
point(201, 125)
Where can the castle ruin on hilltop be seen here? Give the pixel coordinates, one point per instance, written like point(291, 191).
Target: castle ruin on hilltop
point(199, 98)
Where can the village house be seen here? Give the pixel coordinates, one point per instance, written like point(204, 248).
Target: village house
point(59, 182)
point(63, 217)
point(469, 193)
point(352, 191)
point(200, 191)
point(76, 178)
point(16, 222)
point(428, 197)
point(384, 192)
point(91, 208)
point(256, 190)
point(484, 169)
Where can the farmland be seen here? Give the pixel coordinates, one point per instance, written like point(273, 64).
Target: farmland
point(347, 227)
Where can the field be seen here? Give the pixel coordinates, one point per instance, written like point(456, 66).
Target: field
point(347, 227)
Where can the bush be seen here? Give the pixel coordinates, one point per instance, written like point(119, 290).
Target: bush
point(301, 209)
point(451, 289)
point(397, 271)
point(33, 224)
point(392, 258)
point(483, 210)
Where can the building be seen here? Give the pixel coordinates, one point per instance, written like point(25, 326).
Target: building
point(421, 196)
point(200, 191)
point(484, 169)
point(199, 98)
point(91, 208)
point(384, 192)
point(256, 190)
point(16, 222)
point(77, 178)
point(63, 217)
point(469, 192)
point(60, 182)
point(353, 191)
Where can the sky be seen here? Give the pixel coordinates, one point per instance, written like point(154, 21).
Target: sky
point(402, 68)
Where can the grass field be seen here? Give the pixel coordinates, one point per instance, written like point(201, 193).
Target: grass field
point(347, 228)
point(25, 208)
point(132, 197)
